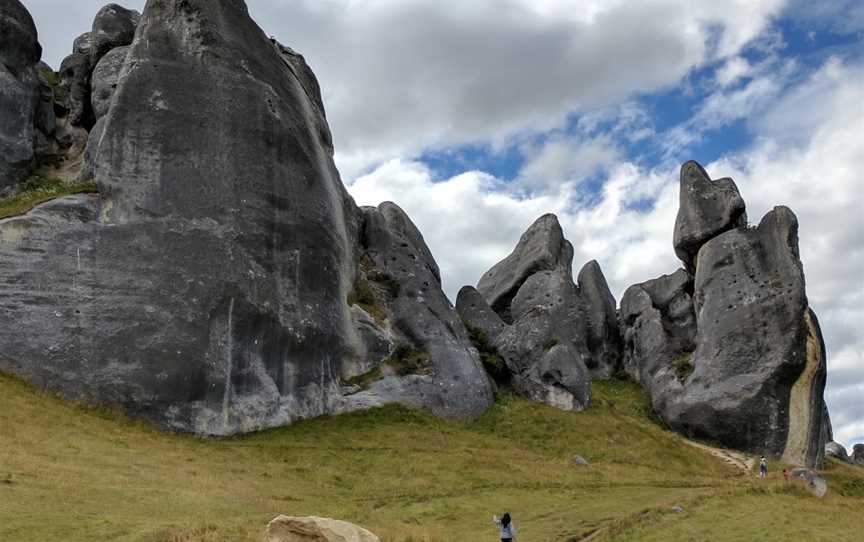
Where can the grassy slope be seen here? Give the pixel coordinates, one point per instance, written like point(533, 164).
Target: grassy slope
point(71, 473)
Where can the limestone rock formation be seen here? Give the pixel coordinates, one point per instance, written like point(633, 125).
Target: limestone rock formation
point(749, 372)
point(208, 287)
point(541, 248)
point(603, 336)
point(113, 26)
point(857, 456)
point(19, 91)
point(104, 80)
point(707, 208)
point(659, 330)
point(427, 357)
point(837, 451)
point(315, 529)
point(553, 335)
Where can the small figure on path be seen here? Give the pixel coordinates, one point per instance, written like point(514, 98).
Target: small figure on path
point(763, 467)
point(786, 474)
point(508, 529)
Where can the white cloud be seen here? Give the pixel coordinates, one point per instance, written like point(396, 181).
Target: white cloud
point(734, 69)
point(566, 159)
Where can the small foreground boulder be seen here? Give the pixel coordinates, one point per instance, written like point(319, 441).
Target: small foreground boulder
point(315, 529)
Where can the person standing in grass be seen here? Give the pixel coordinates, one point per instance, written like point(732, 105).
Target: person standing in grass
point(508, 530)
point(763, 467)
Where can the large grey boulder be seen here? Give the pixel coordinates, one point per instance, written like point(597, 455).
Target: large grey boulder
point(603, 336)
point(19, 44)
point(755, 379)
point(837, 451)
point(103, 80)
point(544, 345)
point(707, 209)
point(72, 93)
point(857, 456)
point(659, 330)
point(113, 26)
point(83, 44)
point(476, 313)
point(207, 287)
point(541, 248)
point(19, 91)
point(431, 363)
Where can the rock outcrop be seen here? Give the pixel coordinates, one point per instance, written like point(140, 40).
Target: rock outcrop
point(749, 370)
point(19, 91)
point(837, 451)
point(706, 209)
point(114, 26)
point(857, 456)
point(553, 335)
point(104, 80)
point(315, 529)
point(212, 285)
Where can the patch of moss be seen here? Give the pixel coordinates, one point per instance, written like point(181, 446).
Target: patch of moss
point(492, 361)
point(36, 190)
point(363, 295)
point(550, 344)
point(51, 77)
point(387, 282)
point(407, 360)
point(683, 365)
point(363, 381)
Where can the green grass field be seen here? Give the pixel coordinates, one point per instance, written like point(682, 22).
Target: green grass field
point(72, 473)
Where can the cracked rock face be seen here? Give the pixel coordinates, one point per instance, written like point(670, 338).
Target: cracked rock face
point(749, 370)
point(707, 208)
point(206, 288)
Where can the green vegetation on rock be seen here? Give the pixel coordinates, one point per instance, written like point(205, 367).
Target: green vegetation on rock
point(683, 365)
point(494, 364)
point(38, 190)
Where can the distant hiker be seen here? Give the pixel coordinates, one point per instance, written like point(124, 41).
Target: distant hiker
point(763, 467)
point(786, 474)
point(508, 529)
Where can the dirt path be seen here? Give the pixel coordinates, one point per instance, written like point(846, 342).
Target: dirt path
point(736, 459)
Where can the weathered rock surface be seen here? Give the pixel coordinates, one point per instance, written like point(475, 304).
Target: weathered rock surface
point(19, 44)
point(72, 93)
point(541, 248)
point(837, 451)
point(659, 330)
point(206, 288)
point(104, 79)
point(315, 529)
point(555, 328)
point(83, 44)
point(749, 372)
point(475, 312)
point(430, 362)
point(603, 337)
point(19, 91)
point(707, 209)
point(113, 26)
point(857, 456)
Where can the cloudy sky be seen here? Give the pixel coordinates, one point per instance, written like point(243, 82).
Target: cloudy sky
point(479, 116)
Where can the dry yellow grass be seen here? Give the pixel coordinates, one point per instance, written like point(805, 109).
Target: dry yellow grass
point(71, 473)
